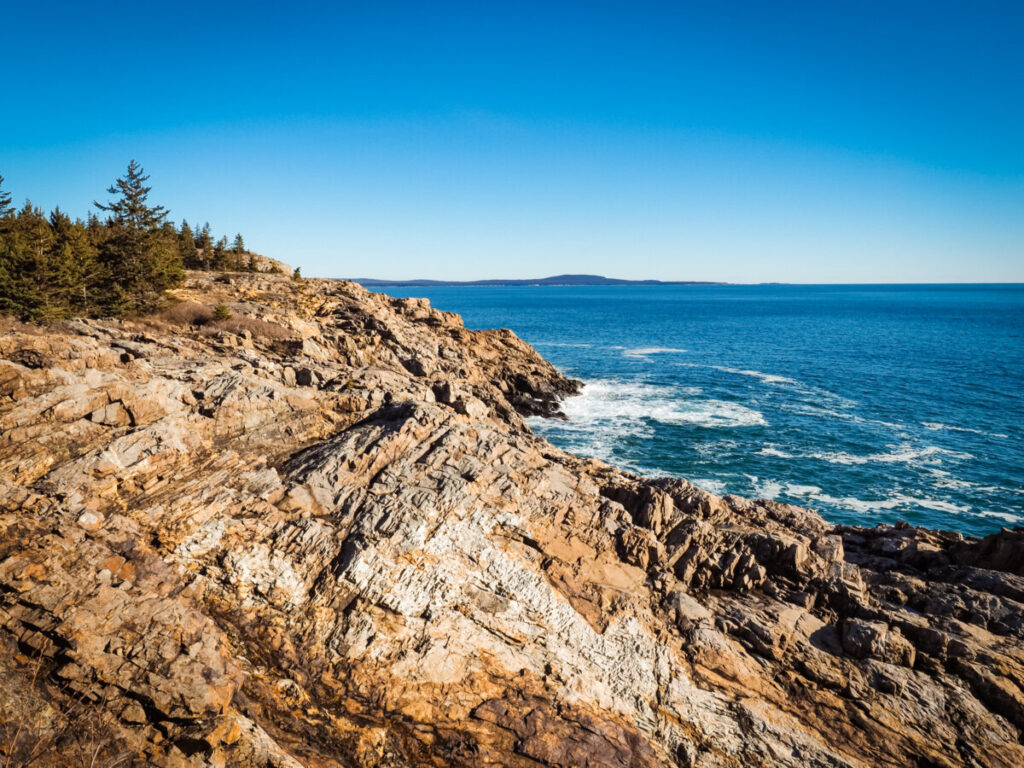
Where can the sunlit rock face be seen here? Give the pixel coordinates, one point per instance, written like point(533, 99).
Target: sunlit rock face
point(320, 533)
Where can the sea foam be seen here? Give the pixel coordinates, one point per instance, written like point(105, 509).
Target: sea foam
point(624, 404)
point(644, 352)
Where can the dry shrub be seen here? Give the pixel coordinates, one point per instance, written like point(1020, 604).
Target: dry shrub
point(260, 329)
point(187, 313)
point(43, 725)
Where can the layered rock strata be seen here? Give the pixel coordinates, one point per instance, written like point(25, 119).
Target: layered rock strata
point(323, 535)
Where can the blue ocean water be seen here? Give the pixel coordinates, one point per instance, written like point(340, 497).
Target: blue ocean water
point(868, 403)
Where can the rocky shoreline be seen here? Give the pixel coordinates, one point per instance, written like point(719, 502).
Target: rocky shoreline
point(321, 534)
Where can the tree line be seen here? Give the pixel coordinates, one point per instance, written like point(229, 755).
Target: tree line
point(53, 267)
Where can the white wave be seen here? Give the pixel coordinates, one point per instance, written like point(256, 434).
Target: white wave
point(772, 489)
point(767, 378)
point(716, 487)
point(902, 454)
point(629, 405)
point(1007, 516)
point(713, 449)
point(765, 489)
point(608, 414)
point(814, 410)
point(771, 450)
point(891, 425)
point(801, 490)
point(643, 352)
point(897, 501)
point(935, 426)
point(944, 479)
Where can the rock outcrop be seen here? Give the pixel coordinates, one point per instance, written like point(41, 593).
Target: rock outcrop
point(321, 534)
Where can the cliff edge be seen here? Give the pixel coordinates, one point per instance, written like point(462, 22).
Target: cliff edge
point(320, 533)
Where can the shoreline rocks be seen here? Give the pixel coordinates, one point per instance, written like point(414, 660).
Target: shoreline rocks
point(324, 535)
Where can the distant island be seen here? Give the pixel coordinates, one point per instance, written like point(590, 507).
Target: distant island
point(554, 280)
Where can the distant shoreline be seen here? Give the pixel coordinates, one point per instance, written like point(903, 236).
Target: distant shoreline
point(556, 280)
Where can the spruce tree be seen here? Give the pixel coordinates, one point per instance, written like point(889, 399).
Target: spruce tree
point(25, 274)
point(204, 243)
point(6, 209)
point(220, 260)
point(85, 278)
point(187, 247)
point(239, 248)
point(142, 260)
point(19, 291)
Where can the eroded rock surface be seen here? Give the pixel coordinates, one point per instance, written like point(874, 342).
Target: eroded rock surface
point(329, 539)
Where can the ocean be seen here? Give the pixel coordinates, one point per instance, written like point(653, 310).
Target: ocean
point(868, 403)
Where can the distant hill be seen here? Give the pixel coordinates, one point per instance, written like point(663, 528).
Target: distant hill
point(554, 280)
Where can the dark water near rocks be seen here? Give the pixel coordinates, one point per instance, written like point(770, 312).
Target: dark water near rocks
point(869, 403)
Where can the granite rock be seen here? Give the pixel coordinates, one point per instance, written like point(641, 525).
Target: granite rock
point(329, 538)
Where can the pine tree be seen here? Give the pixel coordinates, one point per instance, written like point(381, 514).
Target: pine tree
point(6, 209)
point(19, 293)
point(187, 247)
point(24, 264)
point(239, 248)
point(142, 260)
point(204, 242)
point(86, 277)
point(220, 260)
point(55, 270)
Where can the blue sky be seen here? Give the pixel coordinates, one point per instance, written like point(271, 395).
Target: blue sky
point(755, 141)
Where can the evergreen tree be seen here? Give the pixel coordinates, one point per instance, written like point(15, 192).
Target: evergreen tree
point(6, 209)
point(33, 240)
point(56, 272)
point(204, 243)
point(238, 247)
point(220, 259)
point(84, 277)
point(53, 267)
point(19, 289)
point(142, 260)
point(187, 247)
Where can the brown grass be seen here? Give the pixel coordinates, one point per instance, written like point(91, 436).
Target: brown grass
point(186, 313)
point(260, 329)
point(84, 733)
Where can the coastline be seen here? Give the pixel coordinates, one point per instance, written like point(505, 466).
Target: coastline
point(327, 531)
point(869, 405)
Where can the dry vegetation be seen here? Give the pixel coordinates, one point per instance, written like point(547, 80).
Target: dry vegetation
point(260, 329)
point(201, 315)
point(43, 724)
point(187, 313)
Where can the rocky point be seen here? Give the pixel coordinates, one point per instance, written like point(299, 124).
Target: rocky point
point(320, 533)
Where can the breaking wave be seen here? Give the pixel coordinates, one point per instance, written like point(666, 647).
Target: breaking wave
point(767, 378)
point(903, 454)
point(623, 405)
point(935, 426)
point(610, 411)
point(644, 352)
point(865, 506)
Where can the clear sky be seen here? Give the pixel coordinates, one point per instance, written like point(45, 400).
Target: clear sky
point(740, 141)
